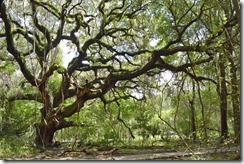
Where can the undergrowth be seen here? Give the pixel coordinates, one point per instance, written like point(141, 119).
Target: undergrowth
point(13, 145)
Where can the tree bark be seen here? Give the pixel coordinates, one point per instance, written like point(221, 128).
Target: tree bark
point(235, 103)
point(45, 131)
point(237, 10)
point(231, 54)
point(192, 106)
point(44, 135)
point(235, 96)
point(223, 98)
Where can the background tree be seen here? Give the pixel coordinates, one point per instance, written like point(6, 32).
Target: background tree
point(114, 52)
point(231, 52)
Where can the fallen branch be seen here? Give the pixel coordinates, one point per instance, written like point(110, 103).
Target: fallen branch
point(110, 152)
point(75, 151)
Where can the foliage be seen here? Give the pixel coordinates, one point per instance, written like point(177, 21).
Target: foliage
point(137, 72)
point(13, 146)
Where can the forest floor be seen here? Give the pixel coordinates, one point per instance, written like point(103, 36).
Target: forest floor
point(133, 153)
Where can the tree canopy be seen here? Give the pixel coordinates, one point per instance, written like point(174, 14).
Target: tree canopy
point(122, 49)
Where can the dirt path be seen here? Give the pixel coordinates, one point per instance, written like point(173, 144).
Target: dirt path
point(152, 156)
point(126, 154)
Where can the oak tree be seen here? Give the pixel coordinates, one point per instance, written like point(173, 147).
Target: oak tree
point(113, 43)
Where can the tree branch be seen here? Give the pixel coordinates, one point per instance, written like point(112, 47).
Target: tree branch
point(11, 48)
point(28, 96)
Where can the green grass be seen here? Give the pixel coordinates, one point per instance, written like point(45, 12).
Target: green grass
point(13, 146)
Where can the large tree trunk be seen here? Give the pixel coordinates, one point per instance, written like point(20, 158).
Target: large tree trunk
point(235, 96)
point(48, 126)
point(44, 135)
point(51, 120)
point(46, 129)
point(235, 103)
point(223, 98)
point(231, 55)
